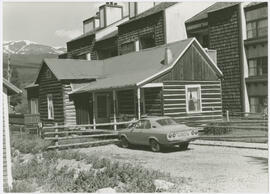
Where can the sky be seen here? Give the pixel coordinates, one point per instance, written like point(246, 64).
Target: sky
point(49, 23)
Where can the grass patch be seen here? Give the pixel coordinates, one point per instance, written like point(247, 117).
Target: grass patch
point(29, 144)
point(31, 176)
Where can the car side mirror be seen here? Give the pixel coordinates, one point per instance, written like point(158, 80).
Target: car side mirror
point(154, 126)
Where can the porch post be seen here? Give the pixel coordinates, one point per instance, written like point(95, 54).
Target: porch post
point(114, 110)
point(139, 102)
point(94, 110)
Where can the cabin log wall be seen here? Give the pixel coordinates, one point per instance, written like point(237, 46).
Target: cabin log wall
point(174, 96)
point(54, 87)
point(69, 107)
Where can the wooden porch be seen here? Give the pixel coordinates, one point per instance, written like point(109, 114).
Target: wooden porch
point(118, 105)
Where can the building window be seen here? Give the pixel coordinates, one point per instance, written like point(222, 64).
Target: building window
point(147, 41)
point(257, 28)
point(258, 104)
point(127, 47)
point(34, 106)
point(258, 66)
point(193, 98)
point(50, 106)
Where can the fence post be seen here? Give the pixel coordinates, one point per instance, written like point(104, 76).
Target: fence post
point(21, 131)
point(227, 116)
point(56, 136)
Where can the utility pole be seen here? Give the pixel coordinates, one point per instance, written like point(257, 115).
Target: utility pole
point(9, 69)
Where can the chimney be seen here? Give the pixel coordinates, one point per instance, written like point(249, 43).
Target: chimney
point(110, 13)
point(168, 56)
point(91, 24)
point(136, 8)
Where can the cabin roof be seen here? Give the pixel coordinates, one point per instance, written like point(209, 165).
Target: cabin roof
point(204, 13)
point(74, 69)
point(151, 11)
point(11, 89)
point(136, 68)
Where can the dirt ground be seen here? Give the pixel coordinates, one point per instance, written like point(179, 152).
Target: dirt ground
point(207, 168)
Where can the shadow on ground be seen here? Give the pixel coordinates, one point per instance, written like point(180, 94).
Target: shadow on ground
point(163, 150)
point(260, 161)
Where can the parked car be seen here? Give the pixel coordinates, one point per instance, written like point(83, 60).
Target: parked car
point(157, 132)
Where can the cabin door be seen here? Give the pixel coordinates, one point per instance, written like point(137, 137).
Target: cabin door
point(102, 108)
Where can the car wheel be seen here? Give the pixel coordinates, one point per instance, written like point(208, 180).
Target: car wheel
point(183, 146)
point(124, 142)
point(154, 145)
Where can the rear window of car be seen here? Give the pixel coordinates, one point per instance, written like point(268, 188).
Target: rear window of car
point(165, 122)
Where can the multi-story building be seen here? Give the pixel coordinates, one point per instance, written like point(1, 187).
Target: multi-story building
point(161, 24)
point(257, 55)
point(103, 26)
point(148, 24)
point(238, 32)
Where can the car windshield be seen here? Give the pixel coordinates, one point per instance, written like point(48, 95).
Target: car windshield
point(167, 121)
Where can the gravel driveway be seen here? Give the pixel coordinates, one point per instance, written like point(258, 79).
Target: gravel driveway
point(210, 169)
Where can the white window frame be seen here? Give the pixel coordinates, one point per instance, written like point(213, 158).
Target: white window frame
point(200, 95)
point(50, 114)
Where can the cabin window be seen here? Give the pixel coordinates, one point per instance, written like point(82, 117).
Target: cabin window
point(127, 47)
point(34, 106)
point(50, 106)
point(193, 98)
point(48, 74)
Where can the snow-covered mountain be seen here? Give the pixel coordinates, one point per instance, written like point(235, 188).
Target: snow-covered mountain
point(26, 47)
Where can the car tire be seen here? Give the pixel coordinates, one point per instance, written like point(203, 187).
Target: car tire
point(124, 142)
point(183, 146)
point(154, 145)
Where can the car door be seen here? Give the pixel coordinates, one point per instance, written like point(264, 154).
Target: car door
point(144, 132)
point(134, 133)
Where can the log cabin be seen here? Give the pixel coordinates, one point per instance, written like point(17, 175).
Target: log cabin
point(179, 79)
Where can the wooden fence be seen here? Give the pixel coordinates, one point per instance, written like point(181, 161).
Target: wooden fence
point(93, 136)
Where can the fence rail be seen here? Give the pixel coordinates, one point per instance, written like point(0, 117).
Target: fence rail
point(111, 136)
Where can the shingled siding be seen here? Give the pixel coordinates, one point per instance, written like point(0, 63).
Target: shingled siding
point(224, 37)
point(54, 87)
point(68, 105)
point(80, 47)
point(174, 100)
point(133, 30)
